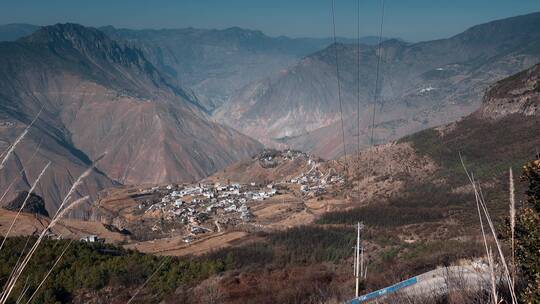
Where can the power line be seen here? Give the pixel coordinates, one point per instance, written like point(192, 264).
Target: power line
point(376, 93)
point(358, 84)
point(339, 85)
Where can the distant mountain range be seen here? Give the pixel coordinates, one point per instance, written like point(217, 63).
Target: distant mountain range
point(212, 63)
point(216, 63)
point(421, 85)
point(100, 97)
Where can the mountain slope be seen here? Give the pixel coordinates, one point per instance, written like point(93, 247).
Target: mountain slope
point(213, 63)
point(519, 94)
point(42, 144)
point(216, 63)
point(416, 189)
point(422, 85)
point(502, 133)
point(101, 97)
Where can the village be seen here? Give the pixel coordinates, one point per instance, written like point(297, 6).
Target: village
point(210, 207)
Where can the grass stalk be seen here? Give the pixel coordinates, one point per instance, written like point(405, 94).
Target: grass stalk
point(10, 284)
point(499, 247)
point(481, 202)
point(49, 272)
point(76, 184)
point(24, 203)
point(146, 282)
point(491, 264)
point(18, 140)
point(23, 292)
point(13, 279)
point(18, 261)
point(19, 174)
point(512, 225)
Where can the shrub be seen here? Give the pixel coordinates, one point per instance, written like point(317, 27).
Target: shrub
point(383, 215)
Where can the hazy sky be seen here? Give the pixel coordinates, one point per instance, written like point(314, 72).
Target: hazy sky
point(412, 20)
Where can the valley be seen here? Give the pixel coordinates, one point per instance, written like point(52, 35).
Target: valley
point(421, 85)
point(103, 99)
point(189, 165)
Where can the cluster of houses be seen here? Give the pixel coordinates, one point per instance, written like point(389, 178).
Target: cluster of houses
point(270, 158)
point(201, 207)
point(314, 182)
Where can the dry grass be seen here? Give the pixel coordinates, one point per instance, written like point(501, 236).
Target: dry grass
point(481, 204)
point(24, 203)
point(512, 224)
point(147, 280)
point(19, 174)
point(8, 153)
point(47, 275)
point(18, 270)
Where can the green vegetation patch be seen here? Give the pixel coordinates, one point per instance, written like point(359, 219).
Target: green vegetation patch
point(87, 266)
point(312, 244)
point(489, 148)
point(383, 215)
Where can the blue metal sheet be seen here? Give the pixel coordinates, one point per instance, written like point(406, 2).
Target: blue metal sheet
point(384, 291)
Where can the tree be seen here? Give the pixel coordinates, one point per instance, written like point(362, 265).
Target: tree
point(528, 235)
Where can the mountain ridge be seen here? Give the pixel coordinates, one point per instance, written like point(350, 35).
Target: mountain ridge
point(101, 97)
point(519, 94)
point(207, 60)
point(214, 63)
point(422, 85)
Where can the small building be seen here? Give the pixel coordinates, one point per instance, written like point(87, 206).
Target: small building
point(247, 216)
point(91, 239)
point(198, 230)
point(188, 239)
point(178, 203)
point(230, 208)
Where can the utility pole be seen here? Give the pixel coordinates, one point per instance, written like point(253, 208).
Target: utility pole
point(359, 259)
point(362, 262)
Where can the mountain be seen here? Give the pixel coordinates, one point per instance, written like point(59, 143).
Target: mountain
point(14, 31)
point(501, 134)
point(421, 85)
point(44, 142)
point(412, 196)
point(519, 94)
point(216, 63)
point(103, 98)
point(213, 63)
